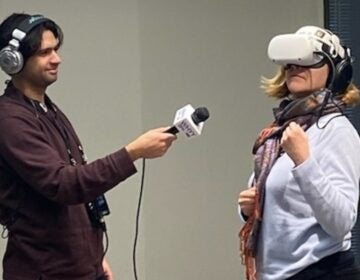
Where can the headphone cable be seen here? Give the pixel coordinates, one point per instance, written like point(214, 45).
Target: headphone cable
point(138, 218)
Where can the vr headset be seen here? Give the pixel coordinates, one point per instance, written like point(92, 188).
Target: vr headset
point(310, 45)
point(306, 47)
point(294, 49)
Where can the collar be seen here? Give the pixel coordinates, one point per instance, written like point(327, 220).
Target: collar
point(15, 94)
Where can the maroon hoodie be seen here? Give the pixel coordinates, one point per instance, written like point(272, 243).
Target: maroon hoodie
point(43, 196)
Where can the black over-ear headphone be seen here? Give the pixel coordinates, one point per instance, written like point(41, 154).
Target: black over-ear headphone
point(343, 73)
point(11, 60)
point(341, 69)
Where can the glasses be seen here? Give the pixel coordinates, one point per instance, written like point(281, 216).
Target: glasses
point(316, 65)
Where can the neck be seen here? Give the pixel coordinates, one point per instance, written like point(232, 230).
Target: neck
point(30, 90)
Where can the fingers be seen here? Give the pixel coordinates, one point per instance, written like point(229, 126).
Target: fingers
point(247, 196)
point(293, 130)
point(161, 133)
point(295, 143)
point(248, 193)
point(160, 129)
point(159, 149)
point(290, 130)
point(153, 143)
point(247, 201)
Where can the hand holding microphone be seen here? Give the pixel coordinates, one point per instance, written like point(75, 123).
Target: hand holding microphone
point(155, 142)
point(151, 144)
point(190, 121)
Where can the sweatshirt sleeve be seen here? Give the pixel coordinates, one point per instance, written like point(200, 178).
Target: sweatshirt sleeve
point(27, 150)
point(329, 179)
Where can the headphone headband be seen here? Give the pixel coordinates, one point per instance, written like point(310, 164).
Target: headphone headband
point(30, 22)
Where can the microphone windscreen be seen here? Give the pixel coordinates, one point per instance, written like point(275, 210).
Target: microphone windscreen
point(201, 114)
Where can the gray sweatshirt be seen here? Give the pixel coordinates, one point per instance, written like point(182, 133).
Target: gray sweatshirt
point(310, 209)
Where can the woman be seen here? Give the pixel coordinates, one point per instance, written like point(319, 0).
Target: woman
point(302, 199)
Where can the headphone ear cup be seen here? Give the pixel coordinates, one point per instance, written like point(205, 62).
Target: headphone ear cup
point(11, 61)
point(343, 76)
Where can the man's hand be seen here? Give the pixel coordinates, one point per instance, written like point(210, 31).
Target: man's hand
point(107, 270)
point(151, 144)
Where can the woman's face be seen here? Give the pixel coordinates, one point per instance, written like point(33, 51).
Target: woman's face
point(302, 81)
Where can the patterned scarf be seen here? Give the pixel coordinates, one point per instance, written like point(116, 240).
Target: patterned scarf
point(305, 112)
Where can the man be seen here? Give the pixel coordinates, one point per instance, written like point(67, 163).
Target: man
point(45, 183)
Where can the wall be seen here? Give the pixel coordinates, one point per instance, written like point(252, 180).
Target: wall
point(127, 67)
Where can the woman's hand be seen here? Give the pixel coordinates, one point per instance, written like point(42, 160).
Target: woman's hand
point(295, 143)
point(247, 201)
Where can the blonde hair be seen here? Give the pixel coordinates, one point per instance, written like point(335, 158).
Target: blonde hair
point(276, 87)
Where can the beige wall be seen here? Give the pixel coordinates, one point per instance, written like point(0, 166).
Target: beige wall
point(127, 66)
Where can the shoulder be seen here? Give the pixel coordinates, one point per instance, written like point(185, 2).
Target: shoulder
point(334, 130)
point(13, 108)
point(333, 123)
point(15, 116)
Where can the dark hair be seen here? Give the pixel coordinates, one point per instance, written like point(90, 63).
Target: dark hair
point(32, 41)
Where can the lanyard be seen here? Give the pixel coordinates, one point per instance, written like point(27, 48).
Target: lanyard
point(97, 208)
point(52, 116)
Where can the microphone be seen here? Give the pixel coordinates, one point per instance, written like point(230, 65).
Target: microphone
point(189, 120)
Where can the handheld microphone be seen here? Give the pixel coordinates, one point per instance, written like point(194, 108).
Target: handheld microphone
point(189, 121)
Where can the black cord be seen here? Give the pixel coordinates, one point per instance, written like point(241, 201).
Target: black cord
point(106, 244)
point(5, 232)
point(329, 94)
point(138, 217)
point(328, 98)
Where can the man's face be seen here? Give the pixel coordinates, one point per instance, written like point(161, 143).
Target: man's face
point(41, 69)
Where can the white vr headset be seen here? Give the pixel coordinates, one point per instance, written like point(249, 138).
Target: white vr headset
point(308, 46)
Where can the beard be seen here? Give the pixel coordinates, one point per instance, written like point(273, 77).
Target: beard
point(44, 80)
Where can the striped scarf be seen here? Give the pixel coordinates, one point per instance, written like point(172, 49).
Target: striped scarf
point(305, 112)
